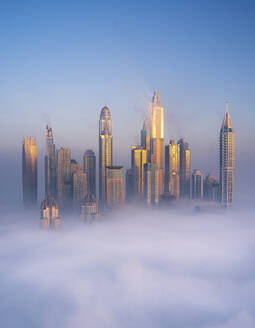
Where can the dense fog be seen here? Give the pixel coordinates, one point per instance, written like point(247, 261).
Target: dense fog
point(135, 268)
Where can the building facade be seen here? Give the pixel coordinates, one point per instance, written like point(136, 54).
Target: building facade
point(184, 168)
point(151, 178)
point(50, 165)
point(172, 169)
point(49, 218)
point(64, 178)
point(80, 189)
point(211, 188)
point(157, 138)
point(197, 184)
point(115, 194)
point(89, 167)
point(105, 150)
point(227, 161)
point(139, 157)
point(29, 171)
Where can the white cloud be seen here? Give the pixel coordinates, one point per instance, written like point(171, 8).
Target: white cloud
point(141, 269)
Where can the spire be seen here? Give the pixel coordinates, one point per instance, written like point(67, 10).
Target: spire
point(227, 125)
point(156, 100)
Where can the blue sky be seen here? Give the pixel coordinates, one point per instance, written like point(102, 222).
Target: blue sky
point(61, 61)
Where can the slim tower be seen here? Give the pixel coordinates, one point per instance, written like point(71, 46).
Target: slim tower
point(29, 171)
point(89, 167)
point(64, 178)
point(139, 157)
point(145, 137)
point(105, 150)
point(184, 168)
point(157, 138)
point(172, 169)
point(50, 165)
point(227, 161)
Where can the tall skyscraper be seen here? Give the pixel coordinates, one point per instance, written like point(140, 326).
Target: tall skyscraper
point(89, 167)
point(184, 168)
point(172, 169)
point(197, 184)
point(227, 161)
point(50, 165)
point(157, 138)
point(151, 177)
point(80, 189)
point(29, 171)
point(138, 158)
point(105, 150)
point(49, 214)
point(115, 194)
point(64, 178)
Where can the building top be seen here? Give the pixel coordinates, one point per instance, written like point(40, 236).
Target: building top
point(29, 139)
point(89, 152)
point(114, 167)
point(105, 113)
point(156, 100)
point(48, 202)
point(226, 124)
point(89, 199)
point(48, 132)
point(197, 172)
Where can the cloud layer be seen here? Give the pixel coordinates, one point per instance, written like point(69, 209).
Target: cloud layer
point(141, 269)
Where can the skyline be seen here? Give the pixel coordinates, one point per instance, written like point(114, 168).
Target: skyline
point(52, 69)
point(148, 179)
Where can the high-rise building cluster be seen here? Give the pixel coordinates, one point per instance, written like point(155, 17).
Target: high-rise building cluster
point(158, 172)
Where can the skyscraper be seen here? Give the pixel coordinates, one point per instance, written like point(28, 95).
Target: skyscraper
point(80, 189)
point(49, 214)
point(50, 165)
point(64, 178)
point(184, 168)
point(115, 194)
point(146, 137)
point(227, 161)
point(172, 169)
point(151, 177)
point(29, 171)
point(197, 184)
point(157, 138)
point(89, 167)
point(105, 150)
point(138, 158)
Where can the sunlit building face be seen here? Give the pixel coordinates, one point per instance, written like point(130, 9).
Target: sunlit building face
point(105, 150)
point(227, 161)
point(29, 171)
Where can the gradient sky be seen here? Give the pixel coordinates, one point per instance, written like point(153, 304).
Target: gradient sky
point(61, 61)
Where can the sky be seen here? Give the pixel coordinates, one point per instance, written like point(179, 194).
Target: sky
point(62, 61)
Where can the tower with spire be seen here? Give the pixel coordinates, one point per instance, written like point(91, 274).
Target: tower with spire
point(105, 150)
point(50, 164)
point(157, 138)
point(227, 161)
